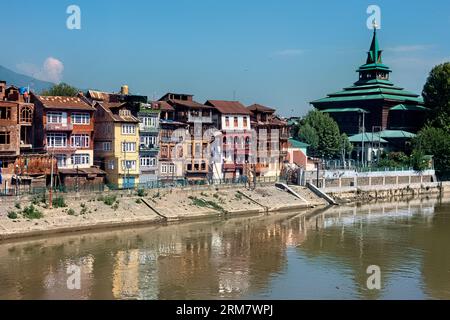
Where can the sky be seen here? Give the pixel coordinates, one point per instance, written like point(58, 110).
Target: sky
point(282, 53)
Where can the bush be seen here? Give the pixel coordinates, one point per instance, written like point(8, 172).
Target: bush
point(138, 201)
point(59, 202)
point(12, 215)
point(109, 200)
point(115, 206)
point(17, 205)
point(71, 212)
point(32, 213)
point(38, 199)
point(141, 193)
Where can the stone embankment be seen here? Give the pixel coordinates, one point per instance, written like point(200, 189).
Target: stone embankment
point(85, 212)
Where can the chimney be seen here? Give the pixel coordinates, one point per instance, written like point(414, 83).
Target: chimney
point(124, 90)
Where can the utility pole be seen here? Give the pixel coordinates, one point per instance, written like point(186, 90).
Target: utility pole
point(50, 194)
point(363, 137)
point(77, 186)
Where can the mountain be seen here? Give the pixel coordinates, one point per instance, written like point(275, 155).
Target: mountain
point(20, 80)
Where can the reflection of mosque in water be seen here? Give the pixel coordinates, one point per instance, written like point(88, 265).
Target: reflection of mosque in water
point(231, 258)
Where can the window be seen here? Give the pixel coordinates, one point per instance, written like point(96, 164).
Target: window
point(80, 159)
point(5, 137)
point(171, 168)
point(56, 140)
point(26, 114)
point(245, 122)
point(236, 122)
point(110, 164)
point(128, 129)
point(147, 162)
point(129, 165)
point(227, 121)
point(61, 159)
point(5, 113)
point(128, 147)
point(80, 140)
point(149, 122)
point(107, 146)
point(148, 140)
point(81, 118)
point(54, 117)
point(164, 168)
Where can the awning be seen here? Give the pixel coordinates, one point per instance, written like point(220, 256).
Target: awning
point(408, 107)
point(367, 137)
point(337, 110)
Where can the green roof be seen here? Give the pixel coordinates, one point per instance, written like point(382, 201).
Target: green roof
point(381, 136)
point(298, 144)
point(397, 134)
point(335, 110)
point(369, 97)
point(408, 107)
point(368, 137)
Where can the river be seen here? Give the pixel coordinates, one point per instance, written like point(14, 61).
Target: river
point(322, 255)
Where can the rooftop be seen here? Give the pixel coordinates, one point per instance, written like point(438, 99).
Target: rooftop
point(57, 102)
point(228, 107)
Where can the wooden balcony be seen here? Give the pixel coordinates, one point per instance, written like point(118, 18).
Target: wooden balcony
point(58, 127)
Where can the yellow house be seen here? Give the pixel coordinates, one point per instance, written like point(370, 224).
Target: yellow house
point(117, 144)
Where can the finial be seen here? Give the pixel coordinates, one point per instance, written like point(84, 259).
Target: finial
point(375, 25)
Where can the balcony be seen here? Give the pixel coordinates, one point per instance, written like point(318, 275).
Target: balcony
point(232, 166)
point(171, 139)
point(148, 148)
point(200, 118)
point(58, 127)
point(148, 129)
point(61, 149)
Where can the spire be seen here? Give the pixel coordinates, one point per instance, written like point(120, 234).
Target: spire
point(374, 54)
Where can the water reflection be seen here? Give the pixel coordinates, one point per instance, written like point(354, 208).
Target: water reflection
point(322, 255)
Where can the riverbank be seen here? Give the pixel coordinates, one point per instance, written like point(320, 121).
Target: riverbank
point(29, 217)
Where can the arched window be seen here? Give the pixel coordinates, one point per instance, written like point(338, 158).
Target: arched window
point(26, 114)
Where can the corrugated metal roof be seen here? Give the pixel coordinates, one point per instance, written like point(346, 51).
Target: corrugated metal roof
point(336, 110)
point(408, 107)
point(57, 102)
point(260, 108)
point(298, 144)
point(229, 107)
point(368, 137)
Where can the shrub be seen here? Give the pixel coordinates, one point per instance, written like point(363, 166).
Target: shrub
point(71, 212)
point(17, 205)
point(115, 206)
point(141, 193)
point(38, 199)
point(138, 201)
point(109, 200)
point(59, 202)
point(32, 213)
point(12, 215)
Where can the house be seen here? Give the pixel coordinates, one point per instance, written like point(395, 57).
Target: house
point(272, 136)
point(199, 134)
point(16, 128)
point(149, 141)
point(64, 128)
point(298, 155)
point(117, 137)
point(171, 164)
point(375, 105)
point(232, 148)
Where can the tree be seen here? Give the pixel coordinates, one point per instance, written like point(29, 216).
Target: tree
point(321, 132)
point(436, 94)
point(346, 147)
point(435, 142)
point(62, 89)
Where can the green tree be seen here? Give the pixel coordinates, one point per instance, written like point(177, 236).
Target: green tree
point(346, 147)
point(435, 142)
point(62, 89)
point(322, 133)
point(436, 94)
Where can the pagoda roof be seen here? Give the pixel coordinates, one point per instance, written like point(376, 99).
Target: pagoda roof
point(408, 107)
point(336, 110)
point(371, 89)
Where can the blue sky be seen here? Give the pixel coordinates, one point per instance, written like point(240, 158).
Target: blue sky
point(278, 53)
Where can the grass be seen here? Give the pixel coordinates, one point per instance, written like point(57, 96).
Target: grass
point(202, 203)
point(59, 202)
point(12, 215)
point(32, 213)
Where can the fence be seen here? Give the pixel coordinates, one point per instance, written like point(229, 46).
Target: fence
point(151, 185)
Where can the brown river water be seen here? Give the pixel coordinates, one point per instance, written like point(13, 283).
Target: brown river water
point(322, 255)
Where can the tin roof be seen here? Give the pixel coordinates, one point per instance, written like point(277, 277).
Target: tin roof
point(260, 108)
point(57, 102)
point(228, 107)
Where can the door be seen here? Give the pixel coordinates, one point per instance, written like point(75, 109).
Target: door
point(129, 182)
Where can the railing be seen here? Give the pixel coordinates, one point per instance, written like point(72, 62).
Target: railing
point(59, 127)
point(149, 129)
point(200, 119)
